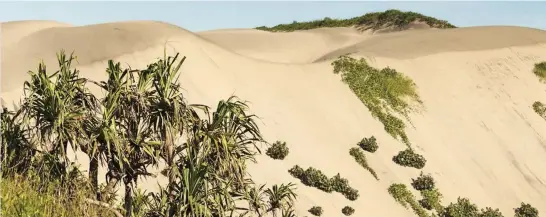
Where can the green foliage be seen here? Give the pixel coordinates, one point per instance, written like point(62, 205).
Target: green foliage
point(361, 159)
point(316, 210)
point(540, 71)
point(315, 178)
point(423, 182)
point(385, 92)
point(526, 210)
point(347, 210)
point(373, 21)
point(409, 158)
point(137, 124)
point(369, 144)
point(277, 151)
point(490, 212)
point(540, 109)
point(432, 199)
point(463, 208)
point(403, 195)
point(31, 196)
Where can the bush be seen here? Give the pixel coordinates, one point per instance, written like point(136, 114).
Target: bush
point(277, 151)
point(316, 210)
point(463, 208)
point(540, 71)
point(423, 182)
point(347, 210)
point(432, 199)
point(540, 109)
point(490, 212)
point(369, 144)
point(361, 159)
point(315, 178)
point(341, 185)
point(409, 158)
point(526, 210)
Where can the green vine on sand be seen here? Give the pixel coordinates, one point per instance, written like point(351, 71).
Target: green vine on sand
point(385, 92)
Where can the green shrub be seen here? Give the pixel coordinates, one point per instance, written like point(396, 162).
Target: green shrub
point(402, 195)
point(526, 210)
point(315, 178)
point(423, 182)
point(297, 172)
point(373, 21)
point(463, 208)
point(361, 159)
point(277, 151)
point(316, 211)
point(540, 71)
point(408, 158)
point(369, 144)
point(384, 92)
point(540, 109)
point(490, 212)
point(347, 210)
point(432, 199)
point(341, 185)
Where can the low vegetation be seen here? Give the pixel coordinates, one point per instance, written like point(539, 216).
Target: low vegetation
point(408, 158)
point(384, 92)
point(490, 212)
point(277, 151)
point(403, 195)
point(369, 144)
point(142, 121)
point(526, 210)
point(347, 211)
point(315, 178)
point(316, 211)
point(370, 21)
point(540, 71)
point(432, 200)
point(423, 182)
point(540, 109)
point(360, 158)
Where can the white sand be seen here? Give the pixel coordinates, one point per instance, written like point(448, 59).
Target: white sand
point(479, 133)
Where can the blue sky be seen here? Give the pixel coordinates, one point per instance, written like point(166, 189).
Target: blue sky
point(206, 15)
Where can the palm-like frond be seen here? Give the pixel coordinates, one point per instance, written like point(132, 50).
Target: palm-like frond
point(280, 196)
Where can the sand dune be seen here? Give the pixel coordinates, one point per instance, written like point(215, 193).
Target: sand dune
point(480, 136)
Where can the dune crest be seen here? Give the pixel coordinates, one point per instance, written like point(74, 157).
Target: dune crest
point(478, 131)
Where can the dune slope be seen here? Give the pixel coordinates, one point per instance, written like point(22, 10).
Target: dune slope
point(478, 132)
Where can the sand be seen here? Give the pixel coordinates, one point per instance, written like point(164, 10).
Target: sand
point(478, 131)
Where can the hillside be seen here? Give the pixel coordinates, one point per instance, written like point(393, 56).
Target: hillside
point(460, 100)
point(389, 20)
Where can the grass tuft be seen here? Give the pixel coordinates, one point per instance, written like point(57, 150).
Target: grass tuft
point(361, 159)
point(403, 195)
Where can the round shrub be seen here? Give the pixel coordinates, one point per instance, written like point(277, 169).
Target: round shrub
point(490, 212)
point(297, 172)
point(408, 158)
point(347, 210)
point(369, 144)
point(526, 210)
point(431, 199)
point(277, 151)
point(463, 208)
point(351, 194)
point(423, 182)
point(316, 211)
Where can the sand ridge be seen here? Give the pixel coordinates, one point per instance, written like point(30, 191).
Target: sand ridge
point(480, 136)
